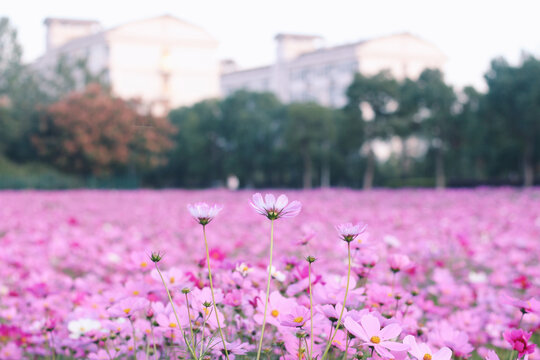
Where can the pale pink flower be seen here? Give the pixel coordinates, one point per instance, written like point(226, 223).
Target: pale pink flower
point(204, 213)
point(349, 232)
point(297, 317)
point(274, 209)
point(491, 355)
point(128, 306)
point(398, 262)
point(370, 333)
point(421, 351)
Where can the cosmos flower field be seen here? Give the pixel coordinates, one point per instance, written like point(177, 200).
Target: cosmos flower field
point(433, 275)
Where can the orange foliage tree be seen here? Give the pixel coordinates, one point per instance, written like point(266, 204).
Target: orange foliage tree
point(94, 133)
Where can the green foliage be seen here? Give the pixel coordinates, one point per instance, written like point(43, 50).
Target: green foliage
point(466, 136)
point(34, 176)
point(513, 105)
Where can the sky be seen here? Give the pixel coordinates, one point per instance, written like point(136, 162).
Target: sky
point(471, 33)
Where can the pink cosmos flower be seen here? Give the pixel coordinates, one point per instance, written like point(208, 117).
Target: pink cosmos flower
point(370, 333)
point(525, 306)
point(128, 306)
point(234, 348)
point(297, 317)
point(398, 262)
point(421, 351)
point(204, 213)
point(349, 232)
point(274, 209)
point(518, 340)
point(491, 355)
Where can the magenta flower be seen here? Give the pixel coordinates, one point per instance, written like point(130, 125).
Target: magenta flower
point(298, 316)
point(421, 351)
point(274, 209)
point(349, 232)
point(370, 333)
point(518, 339)
point(204, 213)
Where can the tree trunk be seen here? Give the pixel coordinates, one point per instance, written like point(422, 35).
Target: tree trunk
point(308, 170)
point(440, 177)
point(405, 160)
point(370, 169)
point(528, 168)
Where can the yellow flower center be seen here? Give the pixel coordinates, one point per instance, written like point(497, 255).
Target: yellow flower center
point(135, 292)
point(359, 241)
point(144, 264)
point(127, 310)
point(375, 339)
point(171, 280)
point(298, 319)
point(172, 325)
point(274, 313)
point(427, 357)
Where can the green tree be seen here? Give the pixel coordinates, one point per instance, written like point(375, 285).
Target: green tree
point(197, 158)
point(252, 124)
point(436, 105)
point(513, 101)
point(309, 132)
point(372, 101)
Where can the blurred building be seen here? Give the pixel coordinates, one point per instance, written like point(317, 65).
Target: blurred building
point(305, 70)
point(164, 61)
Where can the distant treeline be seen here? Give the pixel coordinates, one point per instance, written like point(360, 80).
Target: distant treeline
point(391, 133)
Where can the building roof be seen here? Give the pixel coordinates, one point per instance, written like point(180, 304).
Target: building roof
point(50, 20)
point(282, 36)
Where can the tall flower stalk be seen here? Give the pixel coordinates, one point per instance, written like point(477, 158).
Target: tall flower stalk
point(156, 257)
point(310, 260)
point(348, 232)
point(204, 214)
point(272, 209)
point(267, 287)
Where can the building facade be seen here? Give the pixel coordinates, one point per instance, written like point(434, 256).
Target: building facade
point(163, 61)
point(306, 71)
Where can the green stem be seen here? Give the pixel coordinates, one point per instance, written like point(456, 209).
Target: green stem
point(311, 309)
point(153, 338)
point(202, 334)
point(51, 345)
point(212, 292)
point(512, 355)
point(521, 319)
point(267, 288)
point(344, 302)
point(307, 350)
point(346, 346)
point(147, 350)
point(189, 317)
point(174, 310)
point(134, 340)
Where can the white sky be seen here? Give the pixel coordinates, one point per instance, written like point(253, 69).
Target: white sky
point(470, 32)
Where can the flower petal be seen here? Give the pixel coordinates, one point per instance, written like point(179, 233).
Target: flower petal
point(443, 354)
point(414, 349)
point(270, 201)
point(390, 331)
point(354, 328)
point(394, 346)
point(292, 210)
point(371, 325)
point(281, 202)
